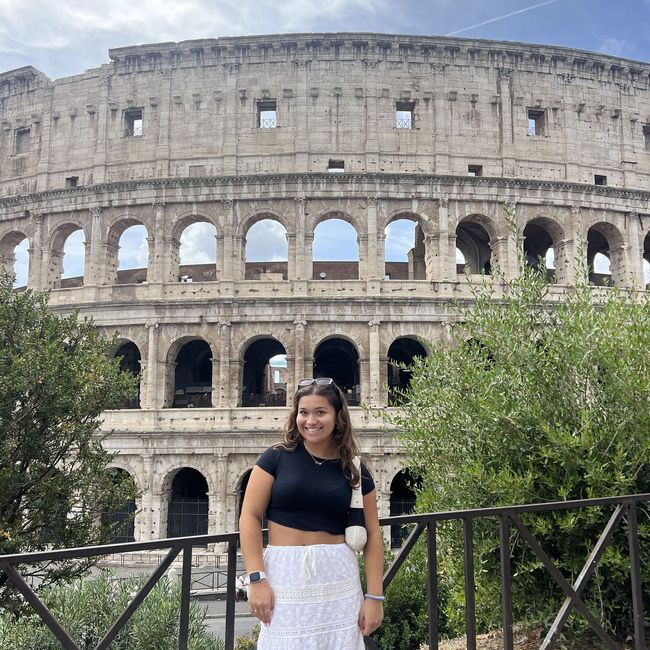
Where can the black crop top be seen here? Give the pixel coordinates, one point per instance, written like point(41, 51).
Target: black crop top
point(307, 496)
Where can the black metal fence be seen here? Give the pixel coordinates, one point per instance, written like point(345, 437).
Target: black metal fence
point(623, 508)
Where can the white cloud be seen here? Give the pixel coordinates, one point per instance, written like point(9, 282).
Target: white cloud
point(199, 244)
point(266, 241)
point(335, 240)
point(614, 46)
point(134, 250)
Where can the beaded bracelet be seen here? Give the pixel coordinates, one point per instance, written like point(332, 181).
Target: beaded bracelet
point(379, 598)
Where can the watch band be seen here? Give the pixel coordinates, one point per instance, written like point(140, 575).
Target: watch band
point(256, 576)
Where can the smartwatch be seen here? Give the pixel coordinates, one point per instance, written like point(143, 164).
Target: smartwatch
point(256, 576)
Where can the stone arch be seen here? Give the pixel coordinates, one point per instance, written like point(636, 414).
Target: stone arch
point(541, 234)
point(604, 238)
point(8, 244)
point(266, 266)
point(131, 362)
point(337, 267)
point(124, 519)
point(117, 227)
point(57, 254)
point(186, 493)
point(475, 234)
point(260, 215)
point(262, 383)
point(414, 267)
point(338, 357)
point(190, 376)
point(191, 271)
point(402, 350)
point(402, 502)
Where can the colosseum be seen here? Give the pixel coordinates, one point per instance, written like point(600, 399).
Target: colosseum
point(249, 137)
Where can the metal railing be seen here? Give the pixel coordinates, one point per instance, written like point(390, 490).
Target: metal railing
point(624, 507)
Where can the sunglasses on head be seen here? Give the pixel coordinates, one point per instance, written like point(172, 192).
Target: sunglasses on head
point(319, 381)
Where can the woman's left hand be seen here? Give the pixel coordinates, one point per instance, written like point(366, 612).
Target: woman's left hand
point(371, 616)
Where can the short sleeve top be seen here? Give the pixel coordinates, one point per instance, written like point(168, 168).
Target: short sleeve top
point(307, 496)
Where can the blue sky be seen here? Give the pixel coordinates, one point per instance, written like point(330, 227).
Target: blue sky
point(65, 38)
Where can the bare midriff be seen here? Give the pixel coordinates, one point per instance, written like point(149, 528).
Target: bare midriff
point(284, 536)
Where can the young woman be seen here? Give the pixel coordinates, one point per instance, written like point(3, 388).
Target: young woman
point(305, 587)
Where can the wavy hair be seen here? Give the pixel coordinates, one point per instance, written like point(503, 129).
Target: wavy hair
point(344, 438)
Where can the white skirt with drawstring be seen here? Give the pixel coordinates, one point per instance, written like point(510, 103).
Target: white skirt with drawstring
point(317, 598)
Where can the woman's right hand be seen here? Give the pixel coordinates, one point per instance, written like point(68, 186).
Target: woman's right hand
point(261, 601)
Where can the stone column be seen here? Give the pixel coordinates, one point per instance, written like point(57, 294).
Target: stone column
point(220, 497)
point(291, 256)
point(226, 260)
point(299, 371)
point(363, 272)
point(37, 269)
point(149, 384)
point(373, 363)
point(569, 249)
point(148, 521)
point(223, 395)
point(158, 256)
point(635, 251)
point(374, 257)
point(444, 268)
point(300, 254)
point(309, 256)
point(95, 262)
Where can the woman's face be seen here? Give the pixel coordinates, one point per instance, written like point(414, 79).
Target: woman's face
point(316, 419)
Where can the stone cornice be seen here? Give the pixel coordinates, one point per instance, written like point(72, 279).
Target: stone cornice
point(384, 186)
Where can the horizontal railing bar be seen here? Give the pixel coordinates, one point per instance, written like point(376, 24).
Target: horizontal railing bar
point(507, 510)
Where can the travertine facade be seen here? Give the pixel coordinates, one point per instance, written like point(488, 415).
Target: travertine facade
point(231, 131)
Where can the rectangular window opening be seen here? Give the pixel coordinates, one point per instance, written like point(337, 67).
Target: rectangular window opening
point(336, 166)
point(404, 115)
point(646, 136)
point(72, 181)
point(600, 180)
point(133, 122)
point(535, 122)
point(23, 140)
point(267, 114)
point(475, 170)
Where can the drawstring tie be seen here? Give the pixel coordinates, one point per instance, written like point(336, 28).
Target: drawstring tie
point(309, 563)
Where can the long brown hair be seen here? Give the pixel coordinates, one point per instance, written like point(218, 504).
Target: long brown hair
point(343, 435)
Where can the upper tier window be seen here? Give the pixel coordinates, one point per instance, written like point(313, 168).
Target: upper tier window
point(133, 122)
point(267, 114)
point(404, 114)
point(536, 125)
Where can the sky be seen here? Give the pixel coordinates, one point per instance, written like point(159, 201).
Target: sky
point(64, 38)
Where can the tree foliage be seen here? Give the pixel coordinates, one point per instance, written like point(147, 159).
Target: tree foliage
point(540, 397)
point(56, 377)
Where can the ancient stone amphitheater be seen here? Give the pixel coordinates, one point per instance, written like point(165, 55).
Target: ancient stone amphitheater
point(298, 130)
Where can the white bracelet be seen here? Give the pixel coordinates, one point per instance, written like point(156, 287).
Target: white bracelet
point(379, 598)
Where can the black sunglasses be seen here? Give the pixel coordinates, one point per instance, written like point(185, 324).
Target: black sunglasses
point(319, 381)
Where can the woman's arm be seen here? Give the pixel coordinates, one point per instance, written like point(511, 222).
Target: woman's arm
point(256, 500)
point(372, 611)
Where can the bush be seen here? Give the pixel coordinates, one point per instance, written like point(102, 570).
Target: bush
point(536, 400)
point(88, 608)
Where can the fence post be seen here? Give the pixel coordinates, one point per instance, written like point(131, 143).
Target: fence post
point(506, 581)
point(432, 585)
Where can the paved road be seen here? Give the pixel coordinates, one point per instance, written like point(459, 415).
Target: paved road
point(216, 618)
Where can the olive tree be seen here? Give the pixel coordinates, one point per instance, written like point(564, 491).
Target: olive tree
point(57, 375)
point(537, 398)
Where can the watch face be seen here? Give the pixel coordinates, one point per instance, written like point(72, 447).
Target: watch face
point(255, 576)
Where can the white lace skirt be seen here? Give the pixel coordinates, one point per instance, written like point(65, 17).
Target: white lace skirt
point(317, 598)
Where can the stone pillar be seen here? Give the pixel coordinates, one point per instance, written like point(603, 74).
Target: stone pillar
point(364, 381)
point(634, 242)
point(220, 497)
point(225, 261)
point(215, 378)
point(301, 256)
point(299, 371)
point(95, 262)
point(568, 251)
point(444, 267)
point(503, 255)
point(309, 256)
point(291, 256)
point(148, 521)
point(158, 256)
point(223, 395)
point(363, 272)
point(37, 269)
point(149, 398)
point(374, 256)
point(374, 391)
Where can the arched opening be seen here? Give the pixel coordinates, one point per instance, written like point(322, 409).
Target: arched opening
point(242, 492)
point(598, 258)
point(404, 250)
point(130, 362)
point(133, 255)
point(264, 378)
point(339, 359)
point(197, 253)
point(402, 351)
point(188, 504)
point(336, 251)
point(67, 257)
point(193, 375)
point(646, 261)
point(121, 520)
point(538, 249)
point(402, 502)
point(267, 251)
point(14, 257)
point(473, 241)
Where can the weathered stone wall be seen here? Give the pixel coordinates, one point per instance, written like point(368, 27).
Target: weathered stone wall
point(202, 157)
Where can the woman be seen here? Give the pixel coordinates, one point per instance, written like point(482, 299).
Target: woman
point(305, 588)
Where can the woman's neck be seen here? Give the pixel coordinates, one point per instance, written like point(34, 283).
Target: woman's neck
point(326, 450)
